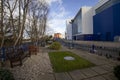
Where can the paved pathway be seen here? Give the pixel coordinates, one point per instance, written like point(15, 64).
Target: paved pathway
point(102, 71)
point(38, 67)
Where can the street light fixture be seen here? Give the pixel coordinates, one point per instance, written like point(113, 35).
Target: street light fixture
point(71, 22)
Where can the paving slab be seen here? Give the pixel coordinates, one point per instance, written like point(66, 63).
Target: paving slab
point(107, 67)
point(46, 77)
point(99, 70)
point(98, 78)
point(87, 79)
point(110, 76)
point(89, 72)
point(62, 76)
point(113, 64)
point(77, 75)
point(98, 60)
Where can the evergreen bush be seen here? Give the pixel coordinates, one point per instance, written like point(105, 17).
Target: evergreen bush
point(55, 46)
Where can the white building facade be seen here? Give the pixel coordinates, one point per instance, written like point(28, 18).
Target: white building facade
point(83, 22)
point(68, 30)
point(87, 20)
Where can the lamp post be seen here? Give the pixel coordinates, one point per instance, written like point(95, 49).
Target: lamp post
point(72, 32)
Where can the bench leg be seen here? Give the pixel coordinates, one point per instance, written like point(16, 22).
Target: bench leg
point(11, 64)
point(29, 54)
point(20, 62)
point(35, 52)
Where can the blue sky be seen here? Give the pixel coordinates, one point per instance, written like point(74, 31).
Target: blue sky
point(61, 10)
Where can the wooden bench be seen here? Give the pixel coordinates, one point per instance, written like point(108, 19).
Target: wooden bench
point(16, 57)
point(33, 49)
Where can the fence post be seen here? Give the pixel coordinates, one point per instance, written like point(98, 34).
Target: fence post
point(3, 54)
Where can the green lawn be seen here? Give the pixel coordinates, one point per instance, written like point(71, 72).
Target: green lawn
point(61, 65)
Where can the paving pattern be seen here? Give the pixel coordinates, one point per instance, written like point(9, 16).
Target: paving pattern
point(102, 71)
point(38, 67)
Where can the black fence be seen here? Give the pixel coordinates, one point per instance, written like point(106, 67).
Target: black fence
point(24, 47)
point(108, 52)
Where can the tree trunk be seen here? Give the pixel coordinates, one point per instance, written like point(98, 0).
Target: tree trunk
point(2, 31)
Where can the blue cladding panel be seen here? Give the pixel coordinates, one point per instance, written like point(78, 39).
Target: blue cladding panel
point(117, 19)
point(88, 37)
point(107, 23)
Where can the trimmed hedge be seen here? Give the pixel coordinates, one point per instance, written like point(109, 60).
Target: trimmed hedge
point(6, 74)
point(117, 71)
point(55, 46)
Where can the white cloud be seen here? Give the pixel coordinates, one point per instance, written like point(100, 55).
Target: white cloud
point(57, 25)
point(57, 17)
point(52, 1)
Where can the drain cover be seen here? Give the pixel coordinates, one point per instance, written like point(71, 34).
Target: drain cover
point(69, 58)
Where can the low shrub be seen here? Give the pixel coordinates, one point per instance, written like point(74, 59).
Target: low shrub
point(117, 71)
point(6, 74)
point(55, 46)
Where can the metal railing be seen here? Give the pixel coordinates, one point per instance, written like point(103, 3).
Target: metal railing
point(24, 46)
point(108, 52)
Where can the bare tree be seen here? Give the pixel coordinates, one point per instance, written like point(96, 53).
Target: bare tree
point(25, 5)
point(31, 20)
point(1, 22)
point(39, 14)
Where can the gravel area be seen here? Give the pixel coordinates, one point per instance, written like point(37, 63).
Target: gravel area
point(33, 67)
